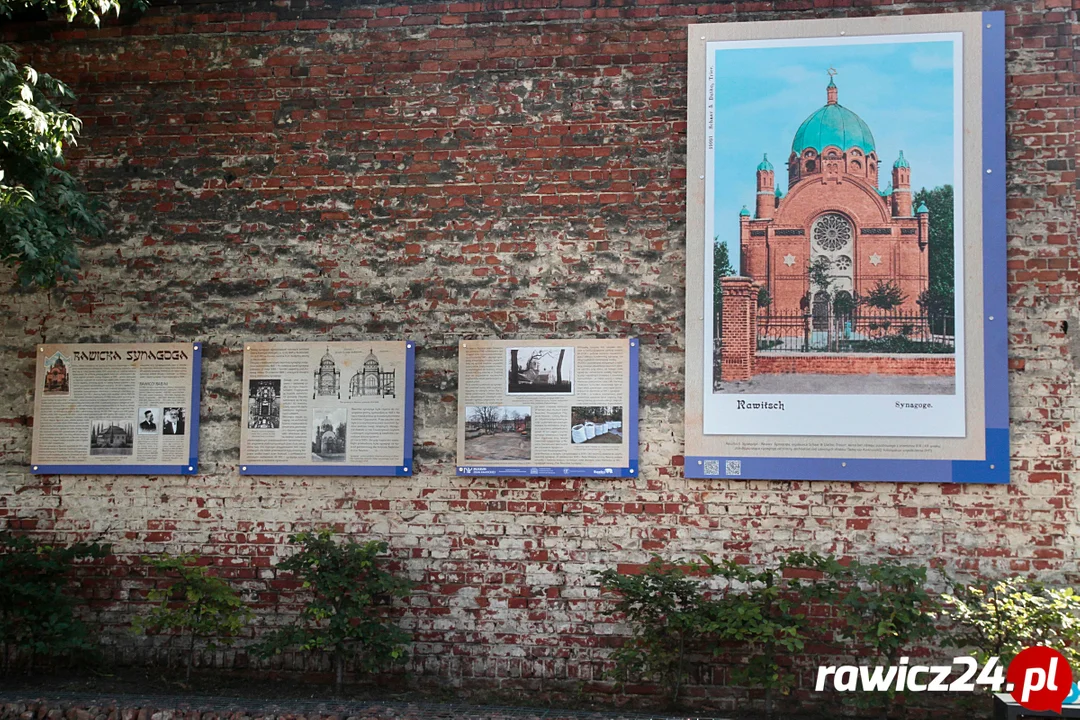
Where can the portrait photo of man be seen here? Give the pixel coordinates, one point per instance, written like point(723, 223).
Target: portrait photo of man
point(174, 421)
point(148, 421)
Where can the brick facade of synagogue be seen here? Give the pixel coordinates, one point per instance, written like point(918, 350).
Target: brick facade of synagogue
point(293, 170)
point(834, 211)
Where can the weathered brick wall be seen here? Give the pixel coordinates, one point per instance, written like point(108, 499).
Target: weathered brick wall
point(279, 170)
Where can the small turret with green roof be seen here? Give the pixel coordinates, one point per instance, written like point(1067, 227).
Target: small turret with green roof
point(744, 212)
point(765, 164)
point(922, 209)
point(901, 162)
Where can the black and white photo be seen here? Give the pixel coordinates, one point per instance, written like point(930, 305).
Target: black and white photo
point(264, 404)
point(532, 370)
point(148, 421)
point(328, 433)
point(112, 437)
point(173, 421)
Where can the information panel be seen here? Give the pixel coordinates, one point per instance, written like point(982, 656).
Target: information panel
point(548, 407)
point(117, 409)
point(846, 296)
point(327, 408)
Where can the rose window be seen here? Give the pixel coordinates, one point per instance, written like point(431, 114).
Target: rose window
point(832, 232)
point(843, 262)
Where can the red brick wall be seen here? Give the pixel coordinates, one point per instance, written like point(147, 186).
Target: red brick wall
point(854, 364)
point(276, 170)
point(738, 328)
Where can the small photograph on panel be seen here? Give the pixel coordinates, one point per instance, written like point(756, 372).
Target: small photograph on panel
point(596, 425)
point(112, 437)
point(148, 421)
point(56, 375)
point(264, 404)
point(328, 428)
point(498, 433)
point(172, 422)
point(533, 370)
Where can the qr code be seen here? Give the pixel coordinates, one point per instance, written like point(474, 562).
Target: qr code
point(712, 467)
point(733, 467)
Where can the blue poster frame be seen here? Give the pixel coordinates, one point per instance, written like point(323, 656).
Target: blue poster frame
point(404, 469)
point(631, 470)
point(189, 468)
point(994, 469)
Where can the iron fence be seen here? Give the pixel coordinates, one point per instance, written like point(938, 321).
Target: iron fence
point(863, 330)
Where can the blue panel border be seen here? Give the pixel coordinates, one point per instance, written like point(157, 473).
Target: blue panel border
point(405, 469)
point(192, 466)
point(630, 471)
point(995, 468)
point(330, 470)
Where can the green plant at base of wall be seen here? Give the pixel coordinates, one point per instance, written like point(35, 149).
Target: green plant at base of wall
point(664, 608)
point(36, 613)
point(762, 609)
point(1002, 618)
point(348, 614)
point(194, 604)
point(886, 608)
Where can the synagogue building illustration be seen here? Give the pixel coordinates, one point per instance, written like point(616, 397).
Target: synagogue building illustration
point(56, 375)
point(834, 210)
point(327, 378)
point(371, 379)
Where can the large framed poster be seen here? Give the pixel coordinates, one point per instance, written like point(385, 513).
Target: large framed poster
point(117, 409)
point(548, 407)
point(327, 408)
point(846, 250)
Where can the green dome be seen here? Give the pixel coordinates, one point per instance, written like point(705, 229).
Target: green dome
point(744, 212)
point(765, 164)
point(833, 124)
point(922, 209)
point(901, 162)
